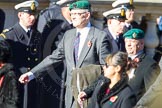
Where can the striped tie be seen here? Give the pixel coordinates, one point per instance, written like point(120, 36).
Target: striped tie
point(76, 47)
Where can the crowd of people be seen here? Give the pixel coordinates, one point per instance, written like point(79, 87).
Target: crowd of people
point(58, 58)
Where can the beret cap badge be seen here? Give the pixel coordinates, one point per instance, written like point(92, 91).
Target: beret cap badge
point(75, 5)
point(134, 35)
point(33, 6)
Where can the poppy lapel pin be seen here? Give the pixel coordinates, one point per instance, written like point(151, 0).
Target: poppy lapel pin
point(89, 44)
point(113, 99)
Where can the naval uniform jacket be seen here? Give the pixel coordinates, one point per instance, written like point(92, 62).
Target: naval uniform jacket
point(132, 25)
point(26, 49)
point(120, 96)
point(94, 51)
point(120, 46)
point(26, 52)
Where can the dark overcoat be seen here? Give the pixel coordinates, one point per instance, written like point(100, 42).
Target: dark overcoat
point(8, 90)
point(26, 54)
point(120, 96)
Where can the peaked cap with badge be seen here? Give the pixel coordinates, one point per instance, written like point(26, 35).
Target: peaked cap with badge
point(65, 2)
point(126, 3)
point(27, 6)
point(116, 13)
point(81, 4)
point(134, 34)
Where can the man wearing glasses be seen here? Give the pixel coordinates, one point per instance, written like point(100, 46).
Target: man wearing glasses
point(80, 46)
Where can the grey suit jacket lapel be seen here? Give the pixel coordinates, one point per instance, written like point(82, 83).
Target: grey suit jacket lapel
point(71, 47)
point(86, 47)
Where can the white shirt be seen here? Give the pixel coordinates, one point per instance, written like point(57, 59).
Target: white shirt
point(134, 56)
point(113, 35)
point(26, 29)
point(132, 70)
point(83, 36)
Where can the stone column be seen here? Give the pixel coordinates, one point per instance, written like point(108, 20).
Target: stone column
point(151, 38)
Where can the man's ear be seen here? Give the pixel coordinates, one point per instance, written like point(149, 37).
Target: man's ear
point(109, 21)
point(19, 14)
point(88, 15)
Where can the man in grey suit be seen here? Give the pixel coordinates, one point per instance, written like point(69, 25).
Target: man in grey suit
point(152, 98)
point(93, 48)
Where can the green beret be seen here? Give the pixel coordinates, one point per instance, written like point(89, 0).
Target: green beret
point(81, 4)
point(134, 34)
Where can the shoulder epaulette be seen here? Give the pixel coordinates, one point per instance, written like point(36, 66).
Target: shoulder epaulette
point(6, 30)
point(3, 35)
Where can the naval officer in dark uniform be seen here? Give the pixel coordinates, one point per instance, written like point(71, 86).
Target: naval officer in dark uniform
point(26, 45)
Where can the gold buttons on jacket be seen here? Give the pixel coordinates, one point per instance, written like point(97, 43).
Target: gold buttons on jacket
point(27, 49)
point(28, 58)
point(35, 49)
point(36, 59)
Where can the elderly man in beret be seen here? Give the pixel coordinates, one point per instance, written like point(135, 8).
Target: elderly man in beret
point(80, 47)
point(144, 72)
point(147, 70)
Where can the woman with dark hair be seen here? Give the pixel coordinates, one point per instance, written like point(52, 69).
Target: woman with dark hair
point(112, 90)
point(8, 83)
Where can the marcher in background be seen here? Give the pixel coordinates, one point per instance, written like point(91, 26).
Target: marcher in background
point(25, 42)
point(53, 22)
point(112, 90)
point(8, 82)
point(147, 70)
point(152, 98)
point(115, 28)
point(128, 4)
point(80, 46)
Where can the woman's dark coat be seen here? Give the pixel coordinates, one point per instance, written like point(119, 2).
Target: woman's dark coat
point(8, 89)
point(123, 95)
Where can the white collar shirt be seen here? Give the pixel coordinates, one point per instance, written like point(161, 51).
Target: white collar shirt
point(113, 35)
point(83, 36)
point(26, 29)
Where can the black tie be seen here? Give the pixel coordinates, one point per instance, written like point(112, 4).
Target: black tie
point(28, 33)
point(76, 47)
point(118, 43)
